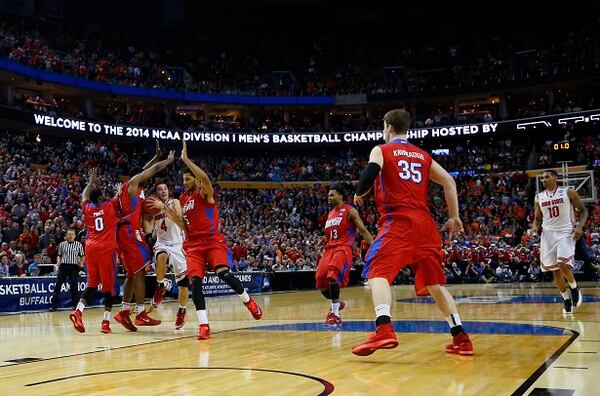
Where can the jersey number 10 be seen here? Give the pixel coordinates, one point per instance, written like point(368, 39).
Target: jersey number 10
point(553, 211)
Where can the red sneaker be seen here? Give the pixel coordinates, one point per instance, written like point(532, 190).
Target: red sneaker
point(384, 338)
point(123, 318)
point(180, 321)
point(254, 309)
point(332, 319)
point(105, 327)
point(203, 332)
point(159, 293)
point(77, 318)
point(461, 344)
point(142, 319)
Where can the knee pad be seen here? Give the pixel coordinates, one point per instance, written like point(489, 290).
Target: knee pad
point(108, 300)
point(197, 294)
point(185, 282)
point(88, 293)
point(231, 280)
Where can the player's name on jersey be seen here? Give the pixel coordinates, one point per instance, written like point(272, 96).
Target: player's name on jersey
point(410, 154)
point(553, 202)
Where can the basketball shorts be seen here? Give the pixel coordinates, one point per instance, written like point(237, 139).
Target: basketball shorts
point(134, 252)
point(407, 239)
point(102, 269)
point(176, 258)
point(556, 247)
point(335, 264)
point(201, 255)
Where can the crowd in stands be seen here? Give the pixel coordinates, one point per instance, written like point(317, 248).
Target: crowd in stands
point(324, 66)
point(274, 229)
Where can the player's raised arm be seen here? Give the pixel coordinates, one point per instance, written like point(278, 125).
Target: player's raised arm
point(355, 217)
point(91, 183)
point(142, 178)
point(537, 217)
point(156, 157)
point(581, 209)
point(199, 174)
point(368, 175)
point(439, 175)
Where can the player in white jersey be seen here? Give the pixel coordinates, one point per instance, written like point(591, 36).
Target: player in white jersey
point(555, 212)
point(167, 249)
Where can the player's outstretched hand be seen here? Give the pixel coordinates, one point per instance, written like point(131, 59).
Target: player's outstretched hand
point(453, 226)
point(358, 201)
point(94, 176)
point(158, 150)
point(171, 156)
point(156, 203)
point(184, 155)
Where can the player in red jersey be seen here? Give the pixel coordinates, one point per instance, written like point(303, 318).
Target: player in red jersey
point(334, 266)
point(100, 251)
point(133, 249)
point(408, 233)
point(204, 245)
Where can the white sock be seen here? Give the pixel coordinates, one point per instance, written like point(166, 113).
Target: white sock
point(106, 315)
point(181, 307)
point(125, 306)
point(573, 285)
point(453, 320)
point(382, 310)
point(202, 318)
point(80, 306)
point(335, 308)
point(565, 295)
point(140, 308)
point(244, 296)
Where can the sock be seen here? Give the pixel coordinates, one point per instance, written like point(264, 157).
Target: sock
point(160, 283)
point(125, 307)
point(181, 309)
point(573, 285)
point(202, 318)
point(106, 315)
point(245, 296)
point(383, 314)
point(565, 295)
point(335, 308)
point(80, 306)
point(455, 324)
point(140, 308)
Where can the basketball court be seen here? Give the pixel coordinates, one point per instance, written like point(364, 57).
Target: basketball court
point(524, 346)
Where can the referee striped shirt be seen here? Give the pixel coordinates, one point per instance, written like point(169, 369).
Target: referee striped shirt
point(70, 252)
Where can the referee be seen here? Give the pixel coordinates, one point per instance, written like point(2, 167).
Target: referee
point(70, 261)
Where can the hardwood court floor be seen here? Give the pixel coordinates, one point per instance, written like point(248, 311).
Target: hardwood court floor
point(521, 338)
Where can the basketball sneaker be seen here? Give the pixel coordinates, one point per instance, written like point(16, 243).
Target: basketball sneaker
point(383, 338)
point(123, 318)
point(159, 293)
point(568, 309)
point(254, 309)
point(342, 304)
point(203, 332)
point(105, 327)
point(332, 319)
point(142, 319)
point(461, 344)
point(77, 318)
point(180, 321)
point(576, 297)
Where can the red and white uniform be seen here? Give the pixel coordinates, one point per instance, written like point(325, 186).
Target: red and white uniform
point(133, 249)
point(558, 221)
point(101, 244)
point(336, 260)
point(169, 240)
point(204, 245)
point(408, 234)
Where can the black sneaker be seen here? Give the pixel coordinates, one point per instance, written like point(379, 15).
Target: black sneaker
point(576, 297)
point(568, 309)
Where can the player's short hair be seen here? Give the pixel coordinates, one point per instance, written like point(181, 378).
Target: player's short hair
point(339, 187)
point(552, 172)
point(188, 171)
point(95, 195)
point(399, 119)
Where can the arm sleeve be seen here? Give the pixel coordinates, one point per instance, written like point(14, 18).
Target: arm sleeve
point(367, 178)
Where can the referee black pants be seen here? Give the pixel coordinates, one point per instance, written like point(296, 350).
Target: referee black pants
point(65, 271)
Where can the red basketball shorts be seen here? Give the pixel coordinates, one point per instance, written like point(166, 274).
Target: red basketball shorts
point(102, 269)
point(203, 254)
point(133, 250)
point(335, 264)
point(409, 238)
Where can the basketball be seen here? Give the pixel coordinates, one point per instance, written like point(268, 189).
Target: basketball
point(147, 206)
